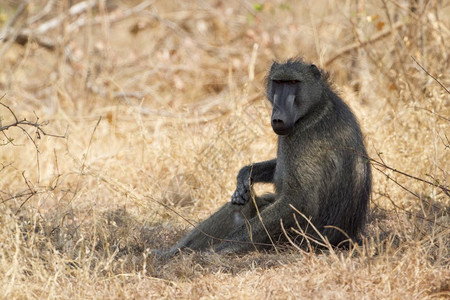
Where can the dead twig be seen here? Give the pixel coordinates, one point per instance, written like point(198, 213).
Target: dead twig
point(73, 11)
point(126, 191)
point(32, 192)
point(37, 34)
point(375, 163)
point(396, 39)
point(428, 73)
point(8, 35)
point(82, 21)
point(20, 10)
point(433, 113)
point(24, 36)
point(21, 124)
point(24, 122)
point(42, 13)
point(375, 38)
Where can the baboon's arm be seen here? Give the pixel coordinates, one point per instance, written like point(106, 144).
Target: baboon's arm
point(257, 172)
point(262, 171)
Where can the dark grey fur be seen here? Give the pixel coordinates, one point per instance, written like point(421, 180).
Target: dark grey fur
point(321, 169)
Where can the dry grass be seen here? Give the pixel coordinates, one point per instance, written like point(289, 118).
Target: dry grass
point(179, 90)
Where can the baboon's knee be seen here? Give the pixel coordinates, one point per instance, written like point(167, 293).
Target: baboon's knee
point(266, 200)
point(241, 213)
point(238, 218)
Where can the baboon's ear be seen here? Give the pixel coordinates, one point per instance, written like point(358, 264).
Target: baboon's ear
point(315, 71)
point(274, 64)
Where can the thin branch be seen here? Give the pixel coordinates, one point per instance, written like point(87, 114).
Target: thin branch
point(445, 189)
point(396, 182)
point(41, 14)
point(80, 22)
point(22, 37)
point(375, 38)
point(20, 10)
point(433, 113)
point(401, 210)
point(383, 164)
point(83, 166)
point(75, 10)
point(121, 188)
point(30, 195)
point(5, 166)
point(203, 232)
point(19, 123)
point(428, 73)
point(396, 38)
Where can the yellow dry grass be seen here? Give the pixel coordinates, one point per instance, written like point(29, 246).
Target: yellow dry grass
point(165, 105)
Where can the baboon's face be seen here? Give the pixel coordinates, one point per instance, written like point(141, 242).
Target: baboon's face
point(284, 112)
point(292, 88)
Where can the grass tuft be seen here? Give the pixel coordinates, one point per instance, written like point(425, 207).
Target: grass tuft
point(150, 108)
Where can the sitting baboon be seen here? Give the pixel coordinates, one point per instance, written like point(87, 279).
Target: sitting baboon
point(321, 170)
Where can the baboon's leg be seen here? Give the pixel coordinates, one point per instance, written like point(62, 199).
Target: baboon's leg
point(221, 224)
point(257, 233)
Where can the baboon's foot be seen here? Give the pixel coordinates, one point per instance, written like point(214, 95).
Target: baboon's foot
point(163, 254)
point(241, 197)
point(242, 194)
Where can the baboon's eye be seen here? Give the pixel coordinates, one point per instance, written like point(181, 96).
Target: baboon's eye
point(293, 81)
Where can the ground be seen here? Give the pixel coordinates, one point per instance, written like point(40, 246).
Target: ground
point(139, 115)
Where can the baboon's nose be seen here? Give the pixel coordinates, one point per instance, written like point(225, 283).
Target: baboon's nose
point(279, 126)
point(278, 123)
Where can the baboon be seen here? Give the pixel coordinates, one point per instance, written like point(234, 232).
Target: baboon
point(321, 170)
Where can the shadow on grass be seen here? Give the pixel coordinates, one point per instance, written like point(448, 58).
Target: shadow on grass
point(117, 242)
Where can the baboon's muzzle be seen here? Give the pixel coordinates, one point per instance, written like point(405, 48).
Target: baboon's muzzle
point(283, 114)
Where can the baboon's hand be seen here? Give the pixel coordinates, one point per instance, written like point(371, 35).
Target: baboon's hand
point(242, 193)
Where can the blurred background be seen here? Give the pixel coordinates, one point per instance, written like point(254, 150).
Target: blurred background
point(123, 120)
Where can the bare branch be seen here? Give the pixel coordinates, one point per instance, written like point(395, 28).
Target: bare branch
point(383, 164)
point(24, 122)
point(37, 34)
point(428, 73)
point(445, 189)
point(433, 113)
point(80, 22)
point(75, 10)
point(375, 38)
point(41, 14)
point(20, 10)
